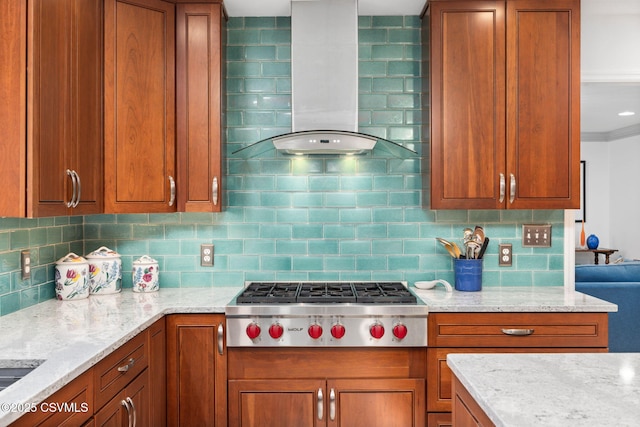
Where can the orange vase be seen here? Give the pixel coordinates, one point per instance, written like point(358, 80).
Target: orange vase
point(582, 238)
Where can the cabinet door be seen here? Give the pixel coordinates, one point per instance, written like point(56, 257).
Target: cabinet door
point(50, 88)
point(13, 108)
point(129, 404)
point(85, 142)
point(197, 367)
point(467, 52)
point(376, 402)
point(139, 111)
point(200, 61)
point(543, 102)
point(277, 403)
point(65, 83)
point(158, 372)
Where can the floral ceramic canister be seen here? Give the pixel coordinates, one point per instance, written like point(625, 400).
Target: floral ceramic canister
point(146, 275)
point(105, 271)
point(72, 277)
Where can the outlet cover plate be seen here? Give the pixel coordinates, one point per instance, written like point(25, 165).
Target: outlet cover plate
point(536, 236)
point(206, 255)
point(505, 255)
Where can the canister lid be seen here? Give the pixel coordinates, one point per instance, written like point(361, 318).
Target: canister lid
point(103, 252)
point(71, 258)
point(144, 260)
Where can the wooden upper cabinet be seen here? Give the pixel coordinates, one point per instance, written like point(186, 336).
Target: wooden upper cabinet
point(139, 112)
point(199, 73)
point(505, 88)
point(65, 116)
point(52, 78)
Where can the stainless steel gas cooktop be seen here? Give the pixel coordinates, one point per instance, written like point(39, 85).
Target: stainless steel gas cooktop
point(267, 314)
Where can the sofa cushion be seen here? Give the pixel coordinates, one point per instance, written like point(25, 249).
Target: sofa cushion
point(624, 335)
point(623, 272)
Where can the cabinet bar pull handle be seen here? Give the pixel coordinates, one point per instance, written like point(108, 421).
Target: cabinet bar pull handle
point(135, 414)
point(172, 189)
point(75, 204)
point(512, 189)
point(214, 190)
point(502, 187)
point(220, 339)
point(125, 403)
point(517, 331)
point(126, 367)
point(73, 190)
point(332, 405)
point(320, 405)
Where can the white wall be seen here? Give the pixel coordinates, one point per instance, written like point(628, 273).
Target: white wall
point(597, 196)
point(624, 178)
point(608, 28)
point(612, 196)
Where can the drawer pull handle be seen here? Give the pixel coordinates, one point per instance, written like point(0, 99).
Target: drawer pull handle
point(519, 332)
point(126, 367)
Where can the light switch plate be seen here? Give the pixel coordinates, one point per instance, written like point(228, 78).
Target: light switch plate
point(536, 236)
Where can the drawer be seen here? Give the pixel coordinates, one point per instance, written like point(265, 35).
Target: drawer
point(119, 368)
point(518, 330)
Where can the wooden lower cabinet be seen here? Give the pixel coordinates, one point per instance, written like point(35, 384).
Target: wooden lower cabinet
point(126, 385)
point(466, 411)
point(335, 402)
point(196, 370)
point(132, 403)
point(502, 333)
point(347, 387)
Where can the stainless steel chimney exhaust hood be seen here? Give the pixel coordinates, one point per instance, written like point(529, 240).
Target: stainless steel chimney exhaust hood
point(324, 85)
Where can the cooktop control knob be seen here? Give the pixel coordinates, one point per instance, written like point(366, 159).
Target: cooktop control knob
point(315, 331)
point(376, 330)
point(337, 331)
point(276, 330)
point(399, 331)
point(253, 330)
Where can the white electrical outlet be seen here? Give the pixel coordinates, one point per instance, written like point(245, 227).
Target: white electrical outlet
point(505, 255)
point(206, 255)
point(25, 264)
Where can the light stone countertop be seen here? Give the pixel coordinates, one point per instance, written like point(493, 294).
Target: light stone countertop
point(569, 390)
point(495, 299)
point(65, 338)
point(68, 337)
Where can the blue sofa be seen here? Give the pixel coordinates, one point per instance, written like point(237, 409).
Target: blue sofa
point(619, 284)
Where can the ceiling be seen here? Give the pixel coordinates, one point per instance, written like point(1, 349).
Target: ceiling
point(600, 105)
point(600, 102)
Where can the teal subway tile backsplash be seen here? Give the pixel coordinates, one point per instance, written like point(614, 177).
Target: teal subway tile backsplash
point(315, 218)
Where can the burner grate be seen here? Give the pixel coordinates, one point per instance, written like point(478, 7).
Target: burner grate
point(269, 293)
point(326, 292)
